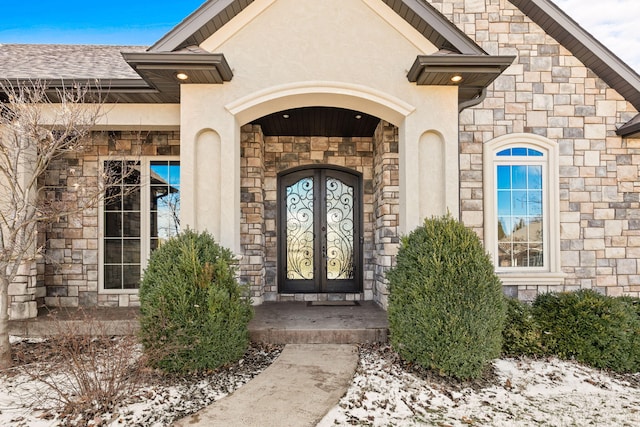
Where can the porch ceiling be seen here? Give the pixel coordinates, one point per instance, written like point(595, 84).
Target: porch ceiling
point(318, 121)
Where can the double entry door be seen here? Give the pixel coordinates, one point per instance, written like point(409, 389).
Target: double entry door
point(319, 231)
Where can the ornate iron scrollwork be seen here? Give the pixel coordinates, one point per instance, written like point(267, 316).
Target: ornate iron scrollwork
point(340, 230)
point(300, 237)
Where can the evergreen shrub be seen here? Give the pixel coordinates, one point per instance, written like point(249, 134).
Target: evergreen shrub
point(193, 313)
point(595, 329)
point(521, 335)
point(446, 308)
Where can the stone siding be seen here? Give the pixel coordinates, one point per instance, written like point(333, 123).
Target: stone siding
point(548, 92)
point(72, 244)
point(264, 157)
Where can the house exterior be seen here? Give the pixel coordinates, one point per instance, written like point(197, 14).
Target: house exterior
point(308, 136)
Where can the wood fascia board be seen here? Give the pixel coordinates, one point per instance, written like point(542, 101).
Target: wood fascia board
point(444, 27)
point(630, 129)
point(459, 63)
point(182, 61)
point(190, 25)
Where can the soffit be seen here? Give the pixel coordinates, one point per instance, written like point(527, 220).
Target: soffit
point(160, 70)
point(476, 72)
point(630, 129)
point(318, 121)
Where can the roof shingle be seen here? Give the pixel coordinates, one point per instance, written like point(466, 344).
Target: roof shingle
point(53, 61)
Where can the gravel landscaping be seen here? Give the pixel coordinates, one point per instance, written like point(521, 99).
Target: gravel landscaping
point(385, 392)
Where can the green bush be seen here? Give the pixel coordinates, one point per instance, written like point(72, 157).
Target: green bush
point(521, 335)
point(446, 309)
point(194, 315)
point(591, 328)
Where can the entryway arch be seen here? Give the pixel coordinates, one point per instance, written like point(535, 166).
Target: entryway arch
point(313, 94)
point(356, 169)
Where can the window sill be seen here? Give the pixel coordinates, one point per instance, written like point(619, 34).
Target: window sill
point(532, 278)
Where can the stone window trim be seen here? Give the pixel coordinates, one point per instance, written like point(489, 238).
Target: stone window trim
point(145, 208)
point(552, 273)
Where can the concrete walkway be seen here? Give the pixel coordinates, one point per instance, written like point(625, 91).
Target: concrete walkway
point(297, 390)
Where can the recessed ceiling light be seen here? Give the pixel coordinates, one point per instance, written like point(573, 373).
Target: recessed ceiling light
point(182, 76)
point(285, 116)
point(358, 116)
point(456, 78)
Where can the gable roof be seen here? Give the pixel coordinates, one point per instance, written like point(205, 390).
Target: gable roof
point(102, 63)
point(214, 14)
point(615, 72)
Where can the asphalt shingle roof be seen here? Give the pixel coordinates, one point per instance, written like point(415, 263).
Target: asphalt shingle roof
point(53, 61)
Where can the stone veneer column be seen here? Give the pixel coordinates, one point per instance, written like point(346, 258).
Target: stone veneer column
point(386, 205)
point(252, 218)
point(25, 290)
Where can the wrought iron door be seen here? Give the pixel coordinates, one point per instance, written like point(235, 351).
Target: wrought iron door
point(319, 231)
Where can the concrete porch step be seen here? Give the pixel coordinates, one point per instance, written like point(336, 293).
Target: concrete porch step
point(274, 322)
point(301, 323)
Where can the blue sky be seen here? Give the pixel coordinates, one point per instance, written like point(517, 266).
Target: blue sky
point(136, 22)
point(118, 22)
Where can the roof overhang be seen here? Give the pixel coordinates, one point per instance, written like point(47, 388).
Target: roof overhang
point(98, 90)
point(472, 74)
point(161, 70)
point(630, 129)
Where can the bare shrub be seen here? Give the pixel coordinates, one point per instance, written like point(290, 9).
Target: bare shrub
point(92, 370)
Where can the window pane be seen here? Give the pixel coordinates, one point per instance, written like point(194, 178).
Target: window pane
point(164, 216)
point(519, 176)
point(131, 276)
point(504, 203)
point(533, 153)
point(113, 277)
point(131, 200)
point(113, 199)
point(131, 251)
point(131, 224)
point(112, 251)
point(504, 153)
point(519, 203)
point(519, 151)
point(504, 177)
point(113, 224)
point(534, 177)
point(174, 174)
point(535, 203)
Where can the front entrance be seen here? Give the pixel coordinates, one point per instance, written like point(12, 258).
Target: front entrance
point(319, 231)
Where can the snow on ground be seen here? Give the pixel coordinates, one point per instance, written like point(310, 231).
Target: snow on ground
point(159, 401)
point(523, 392)
point(384, 392)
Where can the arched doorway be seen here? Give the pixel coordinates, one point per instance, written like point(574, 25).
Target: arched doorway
point(320, 230)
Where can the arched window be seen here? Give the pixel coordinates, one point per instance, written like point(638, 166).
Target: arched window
point(522, 218)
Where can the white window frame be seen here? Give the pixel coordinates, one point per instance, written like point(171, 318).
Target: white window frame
point(145, 226)
point(551, 273)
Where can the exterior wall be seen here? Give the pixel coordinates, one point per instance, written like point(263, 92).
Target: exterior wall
point(264, 157)
point(548, 92)
point(328, 65)
point(386, 208)
point(72, 257)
